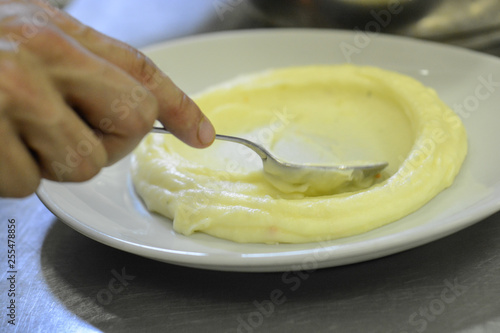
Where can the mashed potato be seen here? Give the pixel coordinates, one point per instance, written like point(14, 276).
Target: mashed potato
point(313, 114)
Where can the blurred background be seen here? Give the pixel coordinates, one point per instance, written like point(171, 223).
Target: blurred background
point(472, 24)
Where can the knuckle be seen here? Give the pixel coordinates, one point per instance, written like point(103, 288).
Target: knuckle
point(142, 67)
point(77, 163)
point(178, 111)
point(42, 117)
point(24, 87)
point(142, 117)
point(62, 50)
point(92, 162)
point(29, 187)
point(148, 114)
point(14, 74)
point(19, 187)
point(47, 33)
point(33, 41)
point(86, 170)
point(4, 104)
point(24, 190)
point(26, 22)
point(144, 70)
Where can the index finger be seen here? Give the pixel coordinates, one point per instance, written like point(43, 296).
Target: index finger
point(177, 111)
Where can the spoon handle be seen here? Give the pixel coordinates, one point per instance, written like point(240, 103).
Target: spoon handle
point(263, 153)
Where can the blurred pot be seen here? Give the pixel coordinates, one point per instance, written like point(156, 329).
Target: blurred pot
point(374, 15)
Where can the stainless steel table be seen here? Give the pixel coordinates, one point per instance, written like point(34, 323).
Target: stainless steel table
point(66, 282)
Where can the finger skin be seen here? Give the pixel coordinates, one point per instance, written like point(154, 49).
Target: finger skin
point(19, 173)
point(50, 131)
point(73, 100)
point(120, 109)
point(177, 111)
point(109, 99)
point(96, 89)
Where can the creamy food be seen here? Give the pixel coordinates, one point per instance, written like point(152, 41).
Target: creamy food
point(313, 114)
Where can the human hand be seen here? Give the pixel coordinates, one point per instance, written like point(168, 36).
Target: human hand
point(73, 101)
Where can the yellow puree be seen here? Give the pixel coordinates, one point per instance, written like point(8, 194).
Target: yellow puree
point(314, 114)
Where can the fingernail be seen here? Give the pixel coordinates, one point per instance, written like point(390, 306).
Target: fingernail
point(206, 132)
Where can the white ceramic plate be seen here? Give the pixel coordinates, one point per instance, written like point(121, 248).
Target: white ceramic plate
point(107, 209)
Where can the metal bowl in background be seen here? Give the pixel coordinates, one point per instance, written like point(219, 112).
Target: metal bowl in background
point(374, 15)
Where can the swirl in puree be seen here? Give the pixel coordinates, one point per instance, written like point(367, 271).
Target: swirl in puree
point(314, 114)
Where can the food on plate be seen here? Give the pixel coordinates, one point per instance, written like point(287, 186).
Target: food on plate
point(311, 114)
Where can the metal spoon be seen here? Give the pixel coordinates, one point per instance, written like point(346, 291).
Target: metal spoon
point(313, 179)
